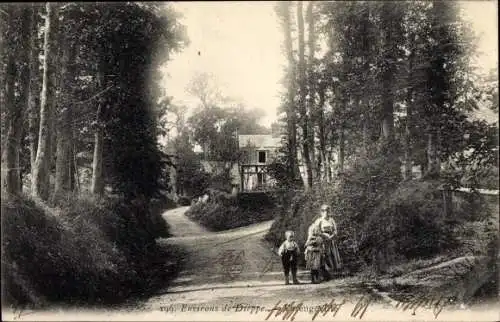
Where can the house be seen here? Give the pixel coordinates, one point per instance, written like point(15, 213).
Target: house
point(257, 152)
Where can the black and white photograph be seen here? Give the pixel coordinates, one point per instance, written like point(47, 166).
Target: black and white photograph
point(249, 161)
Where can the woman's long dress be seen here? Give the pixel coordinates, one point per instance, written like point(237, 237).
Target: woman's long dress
point(331, 251)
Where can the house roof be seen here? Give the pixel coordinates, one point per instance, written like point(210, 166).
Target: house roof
point(259, 141)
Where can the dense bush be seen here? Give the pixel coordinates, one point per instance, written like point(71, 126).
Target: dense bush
point(409, 223)
point(221, 181)
point(224, 211)
point(88, 252)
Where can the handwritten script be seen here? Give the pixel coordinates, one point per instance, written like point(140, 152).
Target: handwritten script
point(328, 307)
point(434, 303)
point(287, 310)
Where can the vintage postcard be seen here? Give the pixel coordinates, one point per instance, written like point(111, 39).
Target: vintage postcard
point(250, 161)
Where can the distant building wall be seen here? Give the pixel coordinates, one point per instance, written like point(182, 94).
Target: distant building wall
point(257, 152)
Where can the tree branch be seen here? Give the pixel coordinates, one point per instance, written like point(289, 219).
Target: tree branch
point(96, 95)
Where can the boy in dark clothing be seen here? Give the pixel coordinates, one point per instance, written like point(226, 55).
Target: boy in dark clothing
point(289, 252)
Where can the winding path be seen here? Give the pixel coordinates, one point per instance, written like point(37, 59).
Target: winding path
point(221, 257)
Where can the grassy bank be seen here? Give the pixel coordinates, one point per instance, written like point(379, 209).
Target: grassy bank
point(86, 251)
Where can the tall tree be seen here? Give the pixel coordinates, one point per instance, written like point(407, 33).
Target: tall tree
point(203, 86)
point(312, 80)
point(389, 46)
point(134, 165)
point(33, 90)
point(97, 186)
point(39, 185)
point(302, 103)
point(283, 12)
point(63, 177)
point(447, 87)
point(408, 163)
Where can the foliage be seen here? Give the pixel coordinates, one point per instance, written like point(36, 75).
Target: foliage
point(218, 120)
point(191, 179)
point(279, 170)
point(224, 211)
point(392, 226)
point(110, 81)
point(91, 252)
point(476, 163)
point(368, 180)
point(134, 162)
point(221, 181)
point(382, 221)
point(390, 70)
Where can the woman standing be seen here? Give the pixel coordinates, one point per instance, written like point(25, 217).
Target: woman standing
point(328, 230)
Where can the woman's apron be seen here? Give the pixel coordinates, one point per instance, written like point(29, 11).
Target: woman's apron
point(331, 251)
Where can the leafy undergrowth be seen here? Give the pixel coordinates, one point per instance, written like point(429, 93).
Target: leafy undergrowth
point(223, 211)
point(88, 252)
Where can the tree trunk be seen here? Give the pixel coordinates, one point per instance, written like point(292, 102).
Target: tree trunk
point(33, 110)
point(64, 158)
point(408, 164)
point(388, 113)
point(74, 170)
point(39, 186)
point(71, 166)
point(433, 164)
point(388, 76)
point(367, 53)
point(290, 108)
point(97, 186)
point(302, 101)
point(325, 165)
point(54, 110)
point(341, 149)
point(311, 43)
point(11, 183)
point(328, 162)
point(365, 134)
point(3, 77)
point(24, 77)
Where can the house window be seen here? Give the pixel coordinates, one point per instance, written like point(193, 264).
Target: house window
point(262, 156)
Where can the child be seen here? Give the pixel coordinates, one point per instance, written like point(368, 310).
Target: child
point(289, 252)
point(313, 256)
